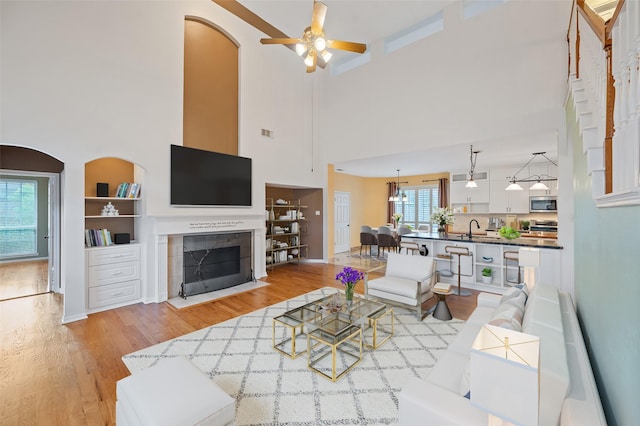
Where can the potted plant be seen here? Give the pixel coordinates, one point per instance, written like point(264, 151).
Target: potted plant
point(443, 217)
point(486, 275)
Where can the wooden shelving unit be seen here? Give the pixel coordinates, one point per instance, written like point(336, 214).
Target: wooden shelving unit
point(284, 233)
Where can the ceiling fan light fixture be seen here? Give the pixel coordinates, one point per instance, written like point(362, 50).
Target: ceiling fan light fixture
point(301, 49)
point(326, 55)
point(320, 43)
point(308, 61)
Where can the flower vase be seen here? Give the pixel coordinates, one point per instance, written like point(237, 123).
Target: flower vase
point(348, 293)
point(442, 229)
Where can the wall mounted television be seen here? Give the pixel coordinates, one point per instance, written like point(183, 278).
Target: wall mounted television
point(207, 178)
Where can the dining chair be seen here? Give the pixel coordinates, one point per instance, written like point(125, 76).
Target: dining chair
point(384, 230)
point(367, 239)
point(424, 228)
point(387, 241)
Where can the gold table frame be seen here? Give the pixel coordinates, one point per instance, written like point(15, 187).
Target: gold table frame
point(331, 322)
point(352, 334)
point(292, 325)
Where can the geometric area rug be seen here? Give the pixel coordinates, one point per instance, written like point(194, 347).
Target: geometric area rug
point(271, 389)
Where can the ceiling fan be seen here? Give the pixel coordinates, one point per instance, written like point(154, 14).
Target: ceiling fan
point(312, 43)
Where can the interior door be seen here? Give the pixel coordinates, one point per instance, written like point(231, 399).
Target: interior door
point(53, 234)
point(342, 210)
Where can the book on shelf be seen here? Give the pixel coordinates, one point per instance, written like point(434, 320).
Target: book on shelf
point(128, 190)
point(97, 238)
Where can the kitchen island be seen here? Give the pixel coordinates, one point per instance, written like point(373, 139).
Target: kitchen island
point(495, 253)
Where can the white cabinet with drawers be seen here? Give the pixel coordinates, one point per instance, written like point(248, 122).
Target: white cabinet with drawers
point(113, 276)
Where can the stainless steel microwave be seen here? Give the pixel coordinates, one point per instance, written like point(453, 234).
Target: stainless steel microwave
point(543, 204)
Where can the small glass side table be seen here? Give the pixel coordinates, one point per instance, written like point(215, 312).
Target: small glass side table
point(288, 338)
point(334, 355)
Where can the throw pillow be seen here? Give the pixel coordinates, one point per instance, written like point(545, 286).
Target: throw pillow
point(512, 293)
point(509, 314)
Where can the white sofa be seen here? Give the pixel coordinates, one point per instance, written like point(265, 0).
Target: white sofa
point(408, 280)
point(568, 394)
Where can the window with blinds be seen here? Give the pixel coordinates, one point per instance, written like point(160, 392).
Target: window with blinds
point(18, 217)
point(420, 204)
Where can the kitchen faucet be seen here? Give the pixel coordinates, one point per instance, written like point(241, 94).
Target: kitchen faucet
point(470, 222)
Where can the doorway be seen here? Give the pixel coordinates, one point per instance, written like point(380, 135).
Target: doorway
point(30, 231)
point(342, 214)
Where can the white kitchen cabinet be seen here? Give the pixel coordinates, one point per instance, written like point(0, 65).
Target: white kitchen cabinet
point(472, 200)
point(113, 276)
point(503, 201)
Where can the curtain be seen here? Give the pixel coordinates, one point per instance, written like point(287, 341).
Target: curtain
point(393, 187)
point(443, 192)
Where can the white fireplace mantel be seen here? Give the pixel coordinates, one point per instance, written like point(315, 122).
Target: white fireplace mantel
point(164, 226)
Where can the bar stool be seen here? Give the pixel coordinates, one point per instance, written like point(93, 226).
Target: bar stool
point(512, 256)
point(409, 246)
point(459, 251)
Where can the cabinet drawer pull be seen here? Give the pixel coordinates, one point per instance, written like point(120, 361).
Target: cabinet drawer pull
point(116, 273)
point(116, 293)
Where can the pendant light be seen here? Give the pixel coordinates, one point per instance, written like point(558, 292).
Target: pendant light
point(473, 157)
point(398, 195)
point(538, 179)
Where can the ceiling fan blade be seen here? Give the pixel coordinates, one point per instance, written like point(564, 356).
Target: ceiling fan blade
point(317, 20)
point(347, 45)
point(321, 62)
point(280, 40)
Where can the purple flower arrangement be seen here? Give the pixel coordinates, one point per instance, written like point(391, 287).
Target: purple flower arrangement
point(349, 276)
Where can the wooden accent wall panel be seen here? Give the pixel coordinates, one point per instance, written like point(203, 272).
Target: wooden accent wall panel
point(113, 171)
point(210, 109)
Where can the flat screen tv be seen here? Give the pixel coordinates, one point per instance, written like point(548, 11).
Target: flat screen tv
point(207, 178)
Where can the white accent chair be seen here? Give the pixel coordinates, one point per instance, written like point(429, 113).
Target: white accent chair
point(408, 281)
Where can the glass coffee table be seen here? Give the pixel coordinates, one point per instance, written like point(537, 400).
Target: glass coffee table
point(334, 331)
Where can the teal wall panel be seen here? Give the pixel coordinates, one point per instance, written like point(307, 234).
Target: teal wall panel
point(607, 290)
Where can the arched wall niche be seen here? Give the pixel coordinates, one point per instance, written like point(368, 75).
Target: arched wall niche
point(112, 171)
point(211, 87)
point(28, 159)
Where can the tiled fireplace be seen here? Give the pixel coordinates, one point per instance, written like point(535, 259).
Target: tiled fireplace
point(170, 250)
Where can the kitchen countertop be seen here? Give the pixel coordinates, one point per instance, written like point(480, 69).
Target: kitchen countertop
point(484, 239)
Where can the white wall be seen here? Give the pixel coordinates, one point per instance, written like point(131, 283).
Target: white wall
point(499, 74)
point(84, 80)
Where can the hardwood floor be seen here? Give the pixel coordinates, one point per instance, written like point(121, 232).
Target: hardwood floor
point(19, 279)
point(53, 374)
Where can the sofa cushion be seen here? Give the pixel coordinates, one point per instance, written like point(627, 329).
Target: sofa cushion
point(481, 315)
point(510, 311)
point(543, 306)
point(415, 268)
point(514, 293)
point(397, 285)
point(448, 371)
point(463, 341)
